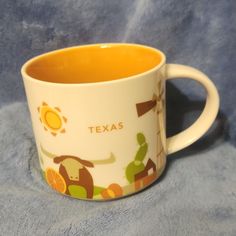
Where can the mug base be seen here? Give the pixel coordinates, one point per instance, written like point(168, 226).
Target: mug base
point(114, 191)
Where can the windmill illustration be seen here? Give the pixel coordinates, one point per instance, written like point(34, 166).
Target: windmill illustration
point(155, 104)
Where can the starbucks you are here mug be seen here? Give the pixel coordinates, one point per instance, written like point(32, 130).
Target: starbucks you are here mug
point(98, 115)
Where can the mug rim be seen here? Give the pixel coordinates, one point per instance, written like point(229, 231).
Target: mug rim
point(102, 45)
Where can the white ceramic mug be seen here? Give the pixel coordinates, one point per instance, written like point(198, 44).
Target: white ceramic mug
point(98, 115)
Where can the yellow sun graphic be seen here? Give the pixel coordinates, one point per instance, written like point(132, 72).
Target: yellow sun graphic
point(52, 119)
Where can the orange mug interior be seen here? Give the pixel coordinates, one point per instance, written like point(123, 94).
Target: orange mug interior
point(93, 63)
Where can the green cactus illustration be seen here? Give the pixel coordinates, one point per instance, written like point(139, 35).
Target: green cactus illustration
point(137, 165)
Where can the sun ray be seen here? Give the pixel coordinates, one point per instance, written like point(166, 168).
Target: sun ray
point(63, 131)
point(64, 118)
point(58, 109)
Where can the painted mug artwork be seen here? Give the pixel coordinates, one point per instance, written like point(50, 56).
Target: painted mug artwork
point(98, 115)
point(71, 175)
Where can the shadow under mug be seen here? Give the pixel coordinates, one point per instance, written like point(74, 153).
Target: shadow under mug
point(98, 115)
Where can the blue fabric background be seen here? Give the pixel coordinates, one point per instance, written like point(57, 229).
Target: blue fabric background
point(197, 196)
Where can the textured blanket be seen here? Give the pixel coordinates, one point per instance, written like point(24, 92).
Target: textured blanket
point(197, 193)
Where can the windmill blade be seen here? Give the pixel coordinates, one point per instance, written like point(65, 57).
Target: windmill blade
point(144, 107)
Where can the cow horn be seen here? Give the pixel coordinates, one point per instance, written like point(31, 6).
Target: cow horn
point(46, 153)
point(109, 160)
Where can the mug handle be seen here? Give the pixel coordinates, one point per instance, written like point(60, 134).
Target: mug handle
point(205, 120)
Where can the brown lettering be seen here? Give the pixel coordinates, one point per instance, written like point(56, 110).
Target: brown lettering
point(113, 127)
point(120, 125)
point(98, 129)
point(105, 128)
point(91, 129)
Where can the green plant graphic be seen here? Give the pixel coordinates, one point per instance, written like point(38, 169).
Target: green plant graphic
point(77, 191)
point(137, 165)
